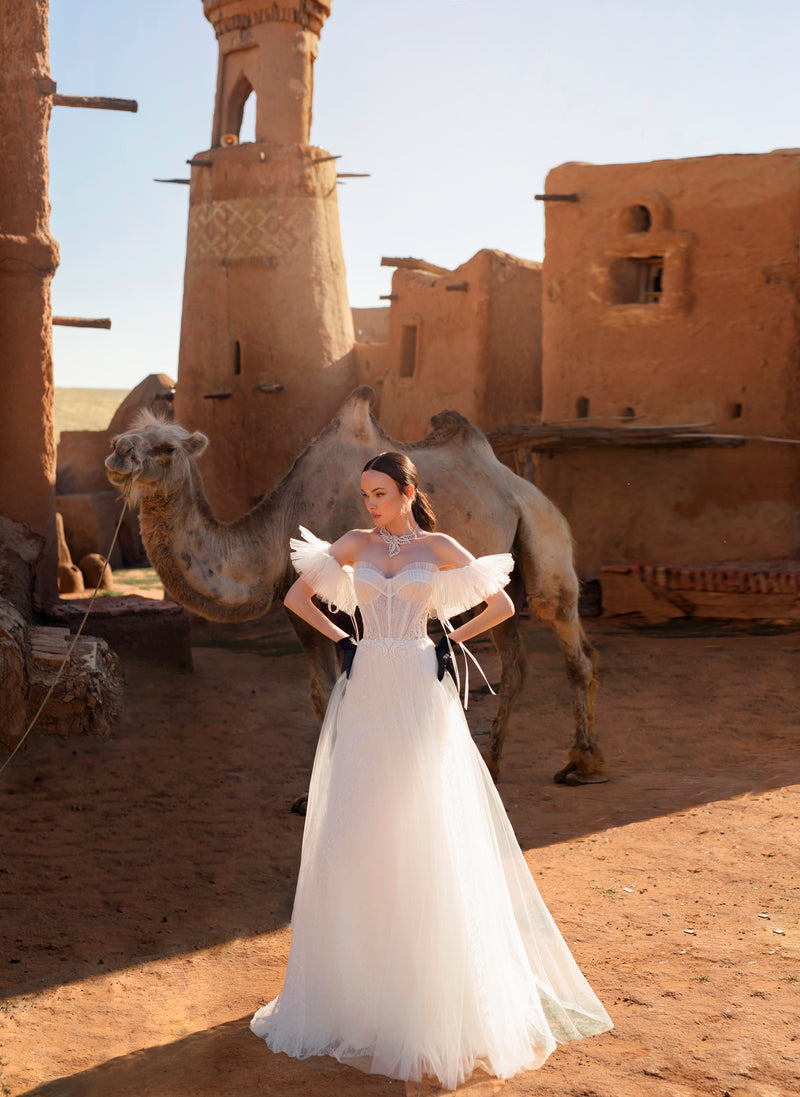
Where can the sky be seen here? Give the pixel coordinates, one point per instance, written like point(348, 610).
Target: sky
point(456, 108)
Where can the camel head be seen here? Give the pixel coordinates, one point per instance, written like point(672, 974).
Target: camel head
point(152, 459)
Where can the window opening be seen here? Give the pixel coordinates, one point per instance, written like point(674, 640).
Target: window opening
point(408, 350)
point(237, 358)
point(582, 407)
point(247, 131)
point(638, 281)
point(639, 219)
point(735, 411)
point(628, 413)
point(240, 93)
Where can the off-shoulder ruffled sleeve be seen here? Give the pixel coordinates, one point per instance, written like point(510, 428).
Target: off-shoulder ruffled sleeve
point(324, 574)
point(459, 589)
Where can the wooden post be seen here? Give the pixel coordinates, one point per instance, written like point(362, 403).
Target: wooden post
point(80, 322)
point(556, 197)
point(95, 102)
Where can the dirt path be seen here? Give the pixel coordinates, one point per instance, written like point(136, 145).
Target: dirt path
point(147, 880)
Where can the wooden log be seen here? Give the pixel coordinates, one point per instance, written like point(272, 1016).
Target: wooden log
point(80, 322)
point(325, 159)
point(458, 287)
point(556, 197)
point(217, 395)
point(353, 175)
point(172, 181)
point(95, 102)
point(410, 263)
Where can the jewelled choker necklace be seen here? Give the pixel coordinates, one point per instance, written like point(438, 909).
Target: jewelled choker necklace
point(394, 542)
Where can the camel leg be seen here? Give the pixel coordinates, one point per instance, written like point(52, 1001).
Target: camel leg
point(514, 664)
point(321, 655)
point(585, 764)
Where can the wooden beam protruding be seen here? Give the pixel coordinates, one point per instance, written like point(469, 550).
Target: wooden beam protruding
point(95, 102)
point(81, 322)
point(556, 197)
point(414, 264)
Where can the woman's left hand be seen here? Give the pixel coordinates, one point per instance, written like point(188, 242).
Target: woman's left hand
point(347, 649)
point(444, 660)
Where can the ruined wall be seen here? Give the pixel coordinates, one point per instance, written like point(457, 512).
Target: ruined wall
point(671, 295)
point(266, 353)
point(28, 260)
point(469, 339)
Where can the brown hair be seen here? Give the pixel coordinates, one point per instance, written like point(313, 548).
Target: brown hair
point(404, 473)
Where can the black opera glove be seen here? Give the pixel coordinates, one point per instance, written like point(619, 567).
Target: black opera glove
point(347, 649)
point(444, 661)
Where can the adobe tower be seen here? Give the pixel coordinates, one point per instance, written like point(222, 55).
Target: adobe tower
point(266, 353)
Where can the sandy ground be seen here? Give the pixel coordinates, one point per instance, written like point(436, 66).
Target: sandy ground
point(147, 880)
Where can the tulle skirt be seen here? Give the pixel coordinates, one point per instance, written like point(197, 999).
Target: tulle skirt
point(420, 943)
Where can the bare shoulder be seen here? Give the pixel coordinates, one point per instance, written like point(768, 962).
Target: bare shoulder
point(447, 552)
point(350, 545)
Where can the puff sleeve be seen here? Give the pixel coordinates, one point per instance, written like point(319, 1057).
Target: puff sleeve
point(460, 589)
point(324, 574)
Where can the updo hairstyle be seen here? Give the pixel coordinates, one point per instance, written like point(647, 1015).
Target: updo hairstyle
point(404, 473)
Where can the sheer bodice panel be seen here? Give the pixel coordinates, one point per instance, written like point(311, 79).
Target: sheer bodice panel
point(394, 607)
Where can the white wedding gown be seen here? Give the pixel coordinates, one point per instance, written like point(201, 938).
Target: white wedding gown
point(420, 943)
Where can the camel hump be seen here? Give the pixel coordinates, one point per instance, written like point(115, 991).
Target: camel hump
point(355, 415)
point(451, 426)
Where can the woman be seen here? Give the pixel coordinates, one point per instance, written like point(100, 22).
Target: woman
point(420, 944)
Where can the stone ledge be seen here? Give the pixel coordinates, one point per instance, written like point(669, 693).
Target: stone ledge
point(758, 590)
point(147, 628)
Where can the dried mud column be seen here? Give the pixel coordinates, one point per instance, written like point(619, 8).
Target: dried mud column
point(28, 260)
point(266, 355)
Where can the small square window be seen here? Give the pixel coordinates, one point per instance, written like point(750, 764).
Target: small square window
point(638, 281)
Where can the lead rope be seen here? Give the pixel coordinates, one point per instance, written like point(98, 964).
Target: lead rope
point(448, 628)
point(65, 660)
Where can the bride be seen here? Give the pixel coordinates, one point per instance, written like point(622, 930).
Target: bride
point(420, 943)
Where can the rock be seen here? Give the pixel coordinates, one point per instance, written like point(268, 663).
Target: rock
point(96, 572)
point(70, 580)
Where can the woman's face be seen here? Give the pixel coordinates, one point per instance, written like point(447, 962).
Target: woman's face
point(386, 503)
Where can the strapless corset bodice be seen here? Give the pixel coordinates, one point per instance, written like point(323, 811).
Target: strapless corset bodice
point(394, 607)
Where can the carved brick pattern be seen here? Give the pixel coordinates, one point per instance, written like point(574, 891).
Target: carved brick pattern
point(241, 228)
point(310, 16)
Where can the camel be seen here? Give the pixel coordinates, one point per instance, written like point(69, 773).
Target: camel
point(235, 571)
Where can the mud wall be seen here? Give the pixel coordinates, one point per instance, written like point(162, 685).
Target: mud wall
point(671, 296)
point(469, 340)
point(28, 260)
